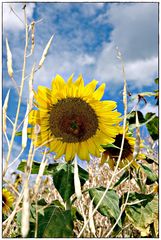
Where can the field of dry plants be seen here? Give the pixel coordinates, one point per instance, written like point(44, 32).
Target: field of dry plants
point(115, 195)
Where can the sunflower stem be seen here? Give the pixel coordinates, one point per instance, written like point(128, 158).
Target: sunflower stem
point(68, 204)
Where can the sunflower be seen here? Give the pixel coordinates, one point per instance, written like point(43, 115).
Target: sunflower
point(72, 119)
point(7, 200)
point(111, 153)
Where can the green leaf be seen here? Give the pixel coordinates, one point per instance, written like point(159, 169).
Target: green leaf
point(56, 223)
point(153, 126)
point(142, 214)
point(76, 215)
point(18, 134)
point(53, 221)
point(111, 145)
point(109, 206)
point(157, 80)
point(63, 178)
point(151, 176)
point(35, 167)
point(131, 118)
point(124, 177)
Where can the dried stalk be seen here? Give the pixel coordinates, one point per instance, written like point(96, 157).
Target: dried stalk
point(9, 65)
point(5, 106)
point(24, 130)
point(25, 210)
point(11, 217)
point(45, 52)
point(11, 186)
point(20, 97)
point(7, 140)
point(32, 37)
point(121, 149)
point(9, 120)
point(40, 174)
point(91, 219)
point(36, 222)
point(77, 184)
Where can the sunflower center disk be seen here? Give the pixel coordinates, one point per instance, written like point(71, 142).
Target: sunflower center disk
point(127, 151)
point(73, 120)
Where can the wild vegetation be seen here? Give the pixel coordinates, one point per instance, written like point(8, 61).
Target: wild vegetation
point(116, 195)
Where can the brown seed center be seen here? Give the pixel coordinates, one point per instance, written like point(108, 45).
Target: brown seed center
point(127, 151)
point(73, 120)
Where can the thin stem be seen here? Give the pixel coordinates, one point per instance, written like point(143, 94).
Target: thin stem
point(9, 120)
point(68, 205)
point(16, 158)
point(36, 222)
point(20, 97)
point(5, 134)
point(121, 150)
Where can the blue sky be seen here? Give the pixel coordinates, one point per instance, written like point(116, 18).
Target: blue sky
point(86, 36)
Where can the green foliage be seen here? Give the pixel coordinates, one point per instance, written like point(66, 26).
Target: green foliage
point(76, 214)
point(124, 177)
point(153, 126)
point(109, 206)
point(63, 178)
point(131, 118)
point(157, 80)
point(55, 222)
point(141, 211)
point(35, 167)
point(111, 145)
point(151, 176)
point(150, 120)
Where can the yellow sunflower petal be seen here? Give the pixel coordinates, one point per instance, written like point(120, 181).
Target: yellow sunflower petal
point(110, 105)
point(111, 163)
point(90, 87)
point(60, 150)
point(36, 117)
point(98, 94)
point(41, 101)
point(44, 93)
point(93, 148)
point(70, 152)
point(83, 153)
point(58, 83)
point(7, 200)
point(70, 79)
point(79, 82)
point(103, 158)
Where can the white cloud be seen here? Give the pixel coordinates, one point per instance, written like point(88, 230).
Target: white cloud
point(139, 72)
point(135, 32)
point(149, 108)
point(135, 28)
point(90, 9)
point(10, 20)
point(64, 63)
point(142, 71)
